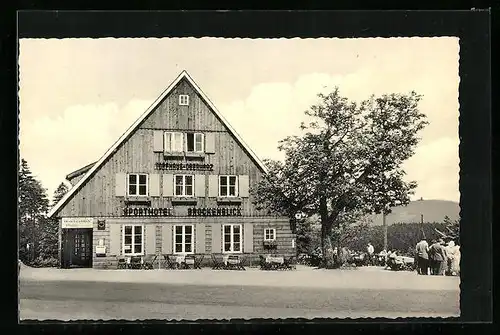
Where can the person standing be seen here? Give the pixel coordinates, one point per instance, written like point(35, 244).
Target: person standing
point(436, 256)
point(444, 264)
point(422, 251)
point(370, 250)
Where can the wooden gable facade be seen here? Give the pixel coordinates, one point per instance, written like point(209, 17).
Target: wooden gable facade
point(180, 164)
point(104, 194)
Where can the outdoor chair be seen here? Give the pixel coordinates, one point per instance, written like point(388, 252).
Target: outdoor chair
point(135, 262)
point(217, 264)
point(189, 260)
point(289, 263)
point(197, 261)
point(122, 263)
point(148, 262)
point(171, 264)
point(235, 262)
point(263, 264)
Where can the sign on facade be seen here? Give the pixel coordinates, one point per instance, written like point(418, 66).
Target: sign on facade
point(77, 222)
point(191, 211)
point(184, 166)
point(219, 211)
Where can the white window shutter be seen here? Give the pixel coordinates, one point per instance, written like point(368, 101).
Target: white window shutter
point(115, 239)
point(168, 185)
point(248, 237)
point(213, 186)
point(150, 231)
point(244, 186)
point(216, 238)
point(210, 143)
point(121, 184)
point(199, 185)
point(200, 238)
point(154, 185)
point(158, 141)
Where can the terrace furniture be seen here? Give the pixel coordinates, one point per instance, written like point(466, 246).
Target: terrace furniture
point(122, 263)
point(148, 261)
point(135, 262)
point(189, 260)
point(234, 262)
point(289, 263)
point(263, 264)
point(275, 262)
point(171, 264)
point(197, 261)
point(217, 263)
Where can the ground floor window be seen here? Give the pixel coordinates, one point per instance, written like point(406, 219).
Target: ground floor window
point(232, 238)
point(133, 239)
point(183, 239)
point(269, 234)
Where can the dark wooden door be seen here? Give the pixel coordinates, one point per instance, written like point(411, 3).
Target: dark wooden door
point(80, 247)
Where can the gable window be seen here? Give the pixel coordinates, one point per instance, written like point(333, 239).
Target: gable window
point(137, 184)
point(183, 239)
point(269, 234)
point(232, 238)
point(184, 100)
point(184, 185)
point(227, 186)
point(194, 142)
point(174, 142)
point(133, 240)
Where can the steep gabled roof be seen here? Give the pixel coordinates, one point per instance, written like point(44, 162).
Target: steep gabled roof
point(137, 123)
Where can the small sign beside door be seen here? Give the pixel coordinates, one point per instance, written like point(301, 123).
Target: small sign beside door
point(77, 222)
point(101, 224)
point(100, 251)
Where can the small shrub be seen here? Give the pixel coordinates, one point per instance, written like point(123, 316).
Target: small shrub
point(46, 263)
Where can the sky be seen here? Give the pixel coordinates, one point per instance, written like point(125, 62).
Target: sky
point(78, 96)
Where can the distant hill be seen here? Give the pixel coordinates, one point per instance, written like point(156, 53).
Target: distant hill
point(433, 211)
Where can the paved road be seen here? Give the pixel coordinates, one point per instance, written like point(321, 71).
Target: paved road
point(67, 300)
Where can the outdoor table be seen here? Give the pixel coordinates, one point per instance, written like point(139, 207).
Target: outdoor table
point(274, 259)
point(233, 262)
point(275, 262)
point(188, 261)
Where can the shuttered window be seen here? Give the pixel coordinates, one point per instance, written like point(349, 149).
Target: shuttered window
point(183, 239)
point(133, 240)
point(232, 241)
point(228, 186)
point(137, 184)
point(183, 185)
point(194, 142)
point(174, 142)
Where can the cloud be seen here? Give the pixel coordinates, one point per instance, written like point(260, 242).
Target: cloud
point(57, 146)
point(273, 111)
point(435, 166)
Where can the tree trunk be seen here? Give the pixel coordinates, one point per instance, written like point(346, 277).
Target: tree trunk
point(326, 227)
point(326, 248)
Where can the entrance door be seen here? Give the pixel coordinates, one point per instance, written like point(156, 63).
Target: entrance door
point(79, 247)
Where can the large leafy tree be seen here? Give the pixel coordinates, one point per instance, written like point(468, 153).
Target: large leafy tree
point(349, 160)
point(32, 206)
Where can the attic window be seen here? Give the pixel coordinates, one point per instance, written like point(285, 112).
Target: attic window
point(184, 100)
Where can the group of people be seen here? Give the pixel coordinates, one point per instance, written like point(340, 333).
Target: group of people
point(440, 258)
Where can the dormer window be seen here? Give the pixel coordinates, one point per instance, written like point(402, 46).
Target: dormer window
point(184, 100)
